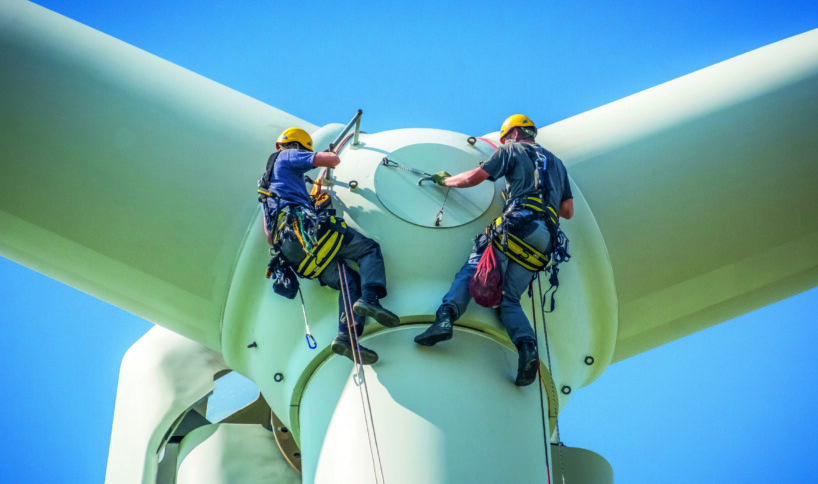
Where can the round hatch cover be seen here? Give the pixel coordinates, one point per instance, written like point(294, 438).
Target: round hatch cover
point(398, 189)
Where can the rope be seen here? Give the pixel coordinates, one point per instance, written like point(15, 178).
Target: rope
point(365, 402)
point(439, 216)
point(394, 164)
point(546, 439)
point(553, 386)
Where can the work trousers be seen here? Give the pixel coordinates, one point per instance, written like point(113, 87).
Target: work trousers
point(369, 281)
point(515, 281)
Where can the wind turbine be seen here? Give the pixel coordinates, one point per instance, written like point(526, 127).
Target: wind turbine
point(171, 130)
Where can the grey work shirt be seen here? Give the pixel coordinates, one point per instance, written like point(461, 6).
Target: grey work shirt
point(515, 162)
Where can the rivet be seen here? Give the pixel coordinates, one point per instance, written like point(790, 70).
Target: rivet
point(565, 390)
point(278, 377)
point(589, 360)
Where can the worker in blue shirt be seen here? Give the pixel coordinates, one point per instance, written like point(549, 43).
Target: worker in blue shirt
point(286, 169)
point(531, 203)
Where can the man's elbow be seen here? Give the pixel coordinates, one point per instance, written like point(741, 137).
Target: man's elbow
point(567, 209)
point(475, 177)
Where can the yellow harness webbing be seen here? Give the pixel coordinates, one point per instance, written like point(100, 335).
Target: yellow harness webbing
point(515, 248)
point(535, 203)
point(323, 251)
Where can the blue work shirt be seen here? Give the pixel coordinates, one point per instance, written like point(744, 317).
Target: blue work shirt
point(288, 177)
point(287, 181)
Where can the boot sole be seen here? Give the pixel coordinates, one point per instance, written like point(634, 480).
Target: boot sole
point(528, 374)
point(383, 317)
point(433, 339)
point(367, 357)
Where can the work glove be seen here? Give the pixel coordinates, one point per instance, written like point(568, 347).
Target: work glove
point(440, 177)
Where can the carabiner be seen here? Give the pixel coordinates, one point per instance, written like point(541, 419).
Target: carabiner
point(311, 341)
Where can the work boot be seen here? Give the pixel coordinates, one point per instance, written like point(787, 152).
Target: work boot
point(440, 330)
point(372, 308)
point(342, 345)
point(527, 363)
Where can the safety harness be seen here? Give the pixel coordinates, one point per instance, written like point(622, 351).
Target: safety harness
point(507, 231)
point(320, 236)
point(318, 231)
point(513, 245)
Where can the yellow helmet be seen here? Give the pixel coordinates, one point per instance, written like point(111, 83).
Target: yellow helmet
point(295, 134)
point(513, 121)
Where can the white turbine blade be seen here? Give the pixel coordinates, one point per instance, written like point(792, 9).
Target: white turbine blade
point(124, 175)
point(705, 190)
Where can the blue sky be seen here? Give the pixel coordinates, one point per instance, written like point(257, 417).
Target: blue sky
point(733, 403)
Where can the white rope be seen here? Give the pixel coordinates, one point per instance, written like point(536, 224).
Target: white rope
point(553, 385)
point(365, 402)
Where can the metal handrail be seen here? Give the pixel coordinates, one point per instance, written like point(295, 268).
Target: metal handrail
point(356, 120)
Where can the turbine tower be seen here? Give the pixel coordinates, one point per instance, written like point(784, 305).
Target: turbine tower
point(679, 225)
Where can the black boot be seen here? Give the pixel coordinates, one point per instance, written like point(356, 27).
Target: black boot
point(342, 345)
point(440, 330)
point(527, 363)
point(371, 307)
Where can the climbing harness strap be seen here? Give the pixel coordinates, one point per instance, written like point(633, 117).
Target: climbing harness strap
point(536, 205)
point(520, 252)
point(513, 246)
point(322, 253)
point(264, 182)
point(318, 253)
point(522, 211)
point(559, 255)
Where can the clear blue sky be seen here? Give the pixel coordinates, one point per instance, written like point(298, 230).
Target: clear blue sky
point(734, 403)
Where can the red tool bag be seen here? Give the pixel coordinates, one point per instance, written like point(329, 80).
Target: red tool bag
point(486, 286)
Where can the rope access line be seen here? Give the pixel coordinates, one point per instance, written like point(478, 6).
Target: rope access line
point(361, 379)
point(546, 439)
point(439, 216)
point(551, 380)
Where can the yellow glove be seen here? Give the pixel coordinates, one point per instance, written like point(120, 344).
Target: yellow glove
point(440, 177)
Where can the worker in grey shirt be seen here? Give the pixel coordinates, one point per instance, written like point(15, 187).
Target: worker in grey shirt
point(532, 197)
